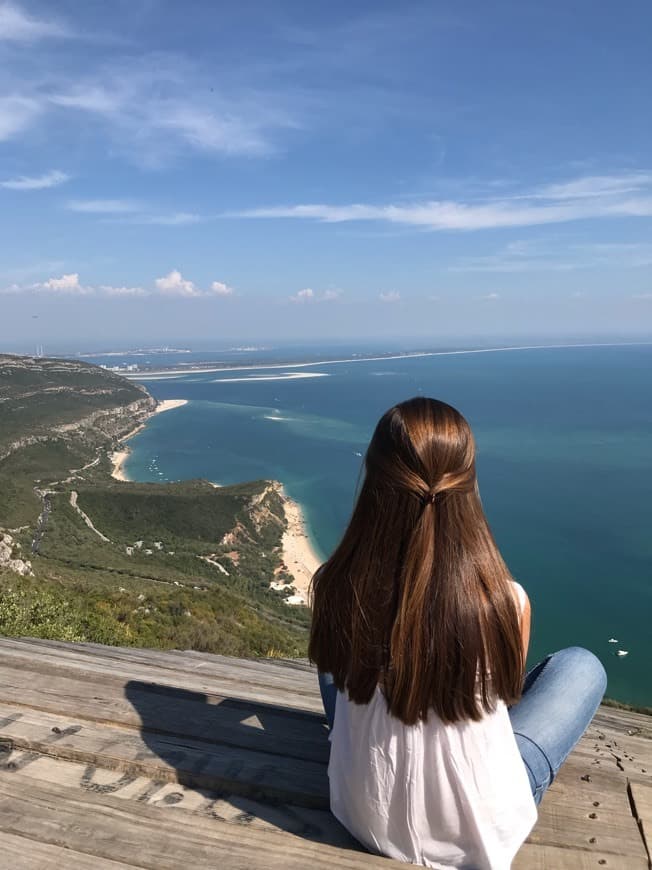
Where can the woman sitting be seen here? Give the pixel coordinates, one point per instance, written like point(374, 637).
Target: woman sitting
point(440, 747)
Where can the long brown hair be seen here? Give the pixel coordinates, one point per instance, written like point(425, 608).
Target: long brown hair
point(416, 598)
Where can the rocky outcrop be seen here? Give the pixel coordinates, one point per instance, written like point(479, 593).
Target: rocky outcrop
point(107, 423)
point(7, 561)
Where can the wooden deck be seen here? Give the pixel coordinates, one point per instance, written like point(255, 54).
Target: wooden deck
point(119, 758)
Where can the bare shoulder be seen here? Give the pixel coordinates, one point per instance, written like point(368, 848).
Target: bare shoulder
point(525, 614)
point(521, 597)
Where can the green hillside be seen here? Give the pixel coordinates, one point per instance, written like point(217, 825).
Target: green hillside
point(183, 565)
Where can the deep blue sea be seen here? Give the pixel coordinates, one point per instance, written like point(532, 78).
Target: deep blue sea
point(564, 460)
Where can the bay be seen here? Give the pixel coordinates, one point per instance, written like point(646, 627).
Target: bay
point(564, 441)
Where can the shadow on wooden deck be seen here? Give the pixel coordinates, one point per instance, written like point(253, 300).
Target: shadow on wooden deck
point(115, 758)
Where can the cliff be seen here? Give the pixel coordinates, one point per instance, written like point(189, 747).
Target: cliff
point(85, 557)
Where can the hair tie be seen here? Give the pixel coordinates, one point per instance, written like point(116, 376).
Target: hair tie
point(429, 497)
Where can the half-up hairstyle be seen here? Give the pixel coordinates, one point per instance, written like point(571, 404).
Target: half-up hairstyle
point(416, 598)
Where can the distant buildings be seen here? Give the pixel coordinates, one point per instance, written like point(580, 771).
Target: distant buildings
point(132, 367)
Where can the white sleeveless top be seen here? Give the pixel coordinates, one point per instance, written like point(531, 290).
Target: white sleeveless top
point(438, 795)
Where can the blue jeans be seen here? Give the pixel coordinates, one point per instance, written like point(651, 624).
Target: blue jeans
point(560, 697)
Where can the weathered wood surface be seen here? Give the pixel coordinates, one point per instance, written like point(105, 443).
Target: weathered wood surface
point(144, 758)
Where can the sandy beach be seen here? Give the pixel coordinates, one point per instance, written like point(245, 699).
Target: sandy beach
point(169, 404)
point(299, 554)
point(119, 457)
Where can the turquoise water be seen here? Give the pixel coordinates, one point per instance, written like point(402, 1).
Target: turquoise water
point(564, 458)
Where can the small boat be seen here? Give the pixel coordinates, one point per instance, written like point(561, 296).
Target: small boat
point(613, 640)
point(622, 652)
point(357, 453)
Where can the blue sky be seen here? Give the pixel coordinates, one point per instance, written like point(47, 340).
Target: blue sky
point(297, 170)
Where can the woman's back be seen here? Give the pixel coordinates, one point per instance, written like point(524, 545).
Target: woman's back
point(439, 795)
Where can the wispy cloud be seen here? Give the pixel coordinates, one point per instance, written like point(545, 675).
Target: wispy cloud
point(172, 219)
point(132, 211)
point(104, 206)
point(176, 219)
point(17, 113)
point(16, 25)
point(390, 296)
point(40, 182)
point(160, 105)
point(625, 195)
point(542, 256)
point(595, 185)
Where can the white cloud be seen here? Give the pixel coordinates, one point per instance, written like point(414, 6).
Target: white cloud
point(310, 295)
point(625, 195)
point(65, 284)
point(491, 296)
point(40, 182)
point(303, 295)
point(220, 289)
point(103, 206)
point(390, 296)
point(16, 114)
point(174, 284)
point(16, 25)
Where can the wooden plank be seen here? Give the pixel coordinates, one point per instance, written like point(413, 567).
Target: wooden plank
point(260, 775)
point(256, 670)
point(23, 853)
point(641, 796)
point(641, 800)
point(537, 857)
point(153, 838)
point(605, 775)
point(623, 721)
point(646, 833)
point(166, 710)
point(570, 827)
point(573, 791)
point(319, 825)
point(230, 685)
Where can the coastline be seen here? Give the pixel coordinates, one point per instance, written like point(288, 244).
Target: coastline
point(299, 554)
point(162, 374)
point(119, 457)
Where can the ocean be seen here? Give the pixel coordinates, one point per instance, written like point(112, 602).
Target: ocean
point(564, 439)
